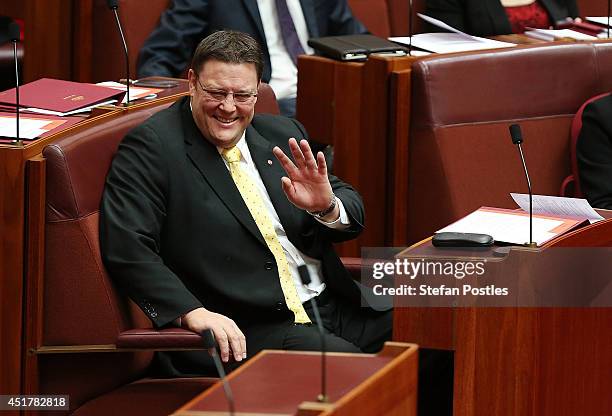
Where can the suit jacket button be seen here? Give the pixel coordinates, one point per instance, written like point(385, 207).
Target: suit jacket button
point(280, 306)
point(269, 265)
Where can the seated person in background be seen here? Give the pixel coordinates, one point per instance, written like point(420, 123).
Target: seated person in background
point(501, 17)
point(594, 152)
point(205, 221)
point(283, 27)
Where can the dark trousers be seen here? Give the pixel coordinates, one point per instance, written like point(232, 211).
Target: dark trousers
point(347, 327)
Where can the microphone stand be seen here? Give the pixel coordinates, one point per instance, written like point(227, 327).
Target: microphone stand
point(609, 5)
point(209, 342)
point(410, 28)
point(127, 57)
point(14, 29)
point(322, 397)
point(305, 278)
point(517, 139)
point(531, 243)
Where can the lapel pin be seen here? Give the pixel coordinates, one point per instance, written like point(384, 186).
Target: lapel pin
point(269, 162)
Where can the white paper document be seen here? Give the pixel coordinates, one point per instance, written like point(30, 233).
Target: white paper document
point(450, 42)
point(29, 128)
point(506, 226)
point(559, 206)
point(442, 25)
point(554, 34)
point(457, 41)
point(135, 92)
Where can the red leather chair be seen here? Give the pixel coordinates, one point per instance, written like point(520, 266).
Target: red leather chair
point(461, 156)
point(570, 187)
point(85, 339)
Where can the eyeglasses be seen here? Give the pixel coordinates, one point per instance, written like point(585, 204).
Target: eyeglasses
point(222, 95)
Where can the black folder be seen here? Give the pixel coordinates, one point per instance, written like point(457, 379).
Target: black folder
point(355, 47)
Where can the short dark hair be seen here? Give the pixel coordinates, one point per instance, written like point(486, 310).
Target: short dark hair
point(231, 47)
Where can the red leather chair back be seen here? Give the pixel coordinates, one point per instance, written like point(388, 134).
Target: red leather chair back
point(461, 156)
point(81, 305)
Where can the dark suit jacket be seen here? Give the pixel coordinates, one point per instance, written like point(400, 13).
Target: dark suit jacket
point(169, 48)
point(175, 233)
point(488, 17)
point(594, 152)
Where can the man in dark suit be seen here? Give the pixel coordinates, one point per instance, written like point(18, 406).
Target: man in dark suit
point(594, 152)
point(282, 27)
point(205, 220)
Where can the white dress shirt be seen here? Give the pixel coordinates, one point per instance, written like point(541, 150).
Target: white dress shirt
point(284, 73)
point(295, 257)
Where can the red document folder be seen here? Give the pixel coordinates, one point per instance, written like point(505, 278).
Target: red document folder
point(58, 95)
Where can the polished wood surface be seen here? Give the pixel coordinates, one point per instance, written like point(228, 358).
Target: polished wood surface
point(527, 361)
point(357, 384)
point(348, 105)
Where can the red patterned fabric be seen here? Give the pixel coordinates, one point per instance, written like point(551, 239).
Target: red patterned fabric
point(531, 15)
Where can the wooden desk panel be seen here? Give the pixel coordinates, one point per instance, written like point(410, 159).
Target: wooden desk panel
point(349, 106)
point(521, 361)
point(357, 384)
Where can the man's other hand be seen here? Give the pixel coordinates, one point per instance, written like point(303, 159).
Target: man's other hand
point(226, 332)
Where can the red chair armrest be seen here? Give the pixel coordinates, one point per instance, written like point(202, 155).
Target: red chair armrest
point(156, 339)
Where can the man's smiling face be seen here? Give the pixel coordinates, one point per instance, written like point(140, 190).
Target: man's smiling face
point(222, 121)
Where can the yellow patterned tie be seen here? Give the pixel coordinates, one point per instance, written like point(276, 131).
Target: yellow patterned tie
point(256, 206)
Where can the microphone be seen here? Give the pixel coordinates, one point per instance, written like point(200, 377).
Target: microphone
point(410, 30)
point(114, 6)
point(15, 35)
point(208, 339)
point(305, 278)
point(517, 139)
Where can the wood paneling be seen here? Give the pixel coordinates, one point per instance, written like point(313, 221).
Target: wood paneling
point(521, 360)
point(48, 42)
point(11, 266)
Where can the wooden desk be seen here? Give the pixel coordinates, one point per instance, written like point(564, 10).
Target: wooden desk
point(349, 105)
point(17, 214)
point(520, 361)
point(281, 382)
point(386, 129)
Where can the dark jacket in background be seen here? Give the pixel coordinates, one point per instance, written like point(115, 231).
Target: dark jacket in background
point(594, 153)
point(488, 17)
point(168, 50)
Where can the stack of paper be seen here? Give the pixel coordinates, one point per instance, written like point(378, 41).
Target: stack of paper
point(552, 217)
point(457, 41)
point(135, 92)
point(550, 35)
point(32, 126)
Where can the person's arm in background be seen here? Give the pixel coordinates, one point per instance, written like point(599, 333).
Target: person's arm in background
point(572, 8)
point(451, 12)
point(168, 50)
point(342, 21)
point(594, 153)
